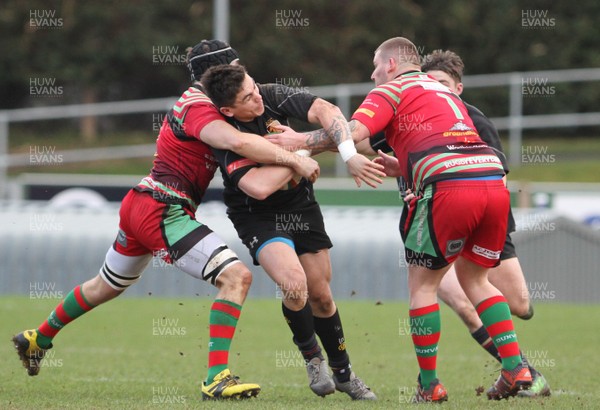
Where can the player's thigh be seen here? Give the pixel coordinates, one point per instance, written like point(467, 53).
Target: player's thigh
point(278, 258)
point(438, 224)
point(172, 233)
point(472, 277)
point(486, 241)
point(204, 255)
point(121, 270)
point(317, 267)
point(127, 258)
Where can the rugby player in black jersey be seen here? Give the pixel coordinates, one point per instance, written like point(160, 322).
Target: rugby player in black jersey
point(278, 219)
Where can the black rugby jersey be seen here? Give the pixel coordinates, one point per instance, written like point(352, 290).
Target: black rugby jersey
point(281, 102)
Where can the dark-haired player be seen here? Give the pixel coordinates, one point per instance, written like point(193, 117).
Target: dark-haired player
point(457, 215)
point(157, 219)
point(278, 219)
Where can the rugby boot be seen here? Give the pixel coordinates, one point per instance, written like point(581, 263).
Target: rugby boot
point(319, 379)
point(29, 352)
point(539, 386)
point(435, 393)
point(355, 388)
point(227, 386)
point(510, 383)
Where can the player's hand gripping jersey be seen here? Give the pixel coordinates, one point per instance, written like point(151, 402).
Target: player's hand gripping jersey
point(429, 129)
point(183, 164)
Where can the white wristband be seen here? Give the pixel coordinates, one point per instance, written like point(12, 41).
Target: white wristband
point(303, 152)
point(347, 150)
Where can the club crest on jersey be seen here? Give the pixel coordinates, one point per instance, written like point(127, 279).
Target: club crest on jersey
point(271, 126)
point(453, 247)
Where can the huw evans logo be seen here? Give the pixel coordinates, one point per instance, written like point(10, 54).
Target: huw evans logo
point(537, 19)
point(44, 87)
point(537, 87)
point(167, 55)
point(291, 19)
point(44, 19)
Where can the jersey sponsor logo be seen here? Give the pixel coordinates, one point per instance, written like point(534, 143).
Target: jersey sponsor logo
point(365, 111)
point(427, 350)
point(460, 133)
point(455, 147)
point(504, 338)
point(486, 253)
point(472, 160)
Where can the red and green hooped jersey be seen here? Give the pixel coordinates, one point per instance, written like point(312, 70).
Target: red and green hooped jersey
point(183, 164)
point(429, 129)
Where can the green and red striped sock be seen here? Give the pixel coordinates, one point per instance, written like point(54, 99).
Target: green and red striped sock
point(425, 326)
point(223, 319)
point(73, 306)
point(495, 315)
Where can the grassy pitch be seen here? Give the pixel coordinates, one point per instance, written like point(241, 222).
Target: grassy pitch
point(142, 353)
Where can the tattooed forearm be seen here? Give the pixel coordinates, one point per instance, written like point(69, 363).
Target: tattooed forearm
point(328, 139)
point(318, 141)
point(352, 126)
point(337, 129)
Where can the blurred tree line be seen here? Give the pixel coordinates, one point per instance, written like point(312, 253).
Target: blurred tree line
point(118, 50)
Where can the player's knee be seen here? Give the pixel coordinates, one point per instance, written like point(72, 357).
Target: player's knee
point(293, 286)
point(236, 278)
point(323, 309)
point(470, 318)
point(97, 290)
point(527, 315)
point(322, 302)
point(521, 308)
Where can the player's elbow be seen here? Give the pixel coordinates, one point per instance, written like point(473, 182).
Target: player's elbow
point(254, 188)
point(260, 193)
point(322, 111)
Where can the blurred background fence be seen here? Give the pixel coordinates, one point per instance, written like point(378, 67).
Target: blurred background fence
point(519, 84)
point(47, 249)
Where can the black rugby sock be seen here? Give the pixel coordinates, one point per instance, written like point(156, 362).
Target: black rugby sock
point(483, 338)
point(302, 326)
point(331, 333)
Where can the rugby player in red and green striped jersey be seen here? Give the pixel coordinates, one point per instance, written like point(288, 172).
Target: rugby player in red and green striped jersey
point(157, 219)
point(458, 214)
point(447, 67)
